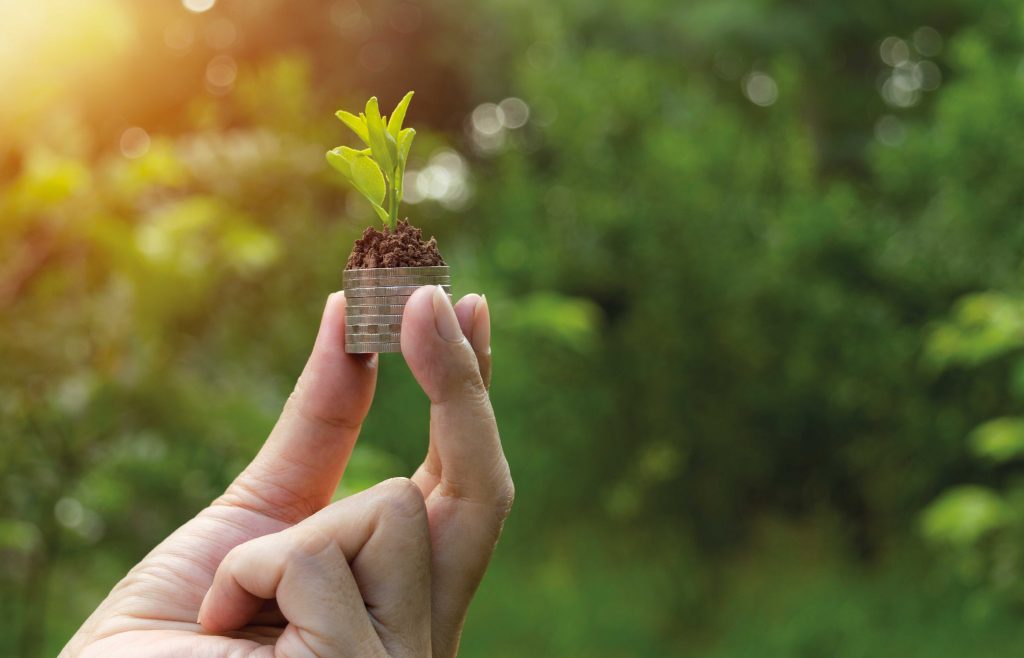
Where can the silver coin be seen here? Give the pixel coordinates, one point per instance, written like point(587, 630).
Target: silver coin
point(411, 284)
point(374, 321)
point(352, 320)
point(391, 300)
point(382, 337)
point(385, 291)
point(373, 345)
point(393, 283)
point(363, 340)
point(372, 348)
point(399, 271)
point(424, 280)
point(373, 329)
point(373, 342)
point(359, 310)
point(384, 300)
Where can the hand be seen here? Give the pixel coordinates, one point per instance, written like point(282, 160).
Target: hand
point(276, 514)
point(351, 580)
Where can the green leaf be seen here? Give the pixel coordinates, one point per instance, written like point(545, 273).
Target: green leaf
point(367, 175)
point(999, 440)
point(398, 117)
point(364, 174)
point(404, 144)
point(383, 145)
point(337, 161)
point(983, 326)
point(356, 123)
point(963, 515)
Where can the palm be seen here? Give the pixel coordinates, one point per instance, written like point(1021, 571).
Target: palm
point(153, 610)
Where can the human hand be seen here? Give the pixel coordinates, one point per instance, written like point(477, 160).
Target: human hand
point(369, 602)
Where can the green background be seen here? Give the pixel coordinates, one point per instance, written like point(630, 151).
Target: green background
point(754, 269)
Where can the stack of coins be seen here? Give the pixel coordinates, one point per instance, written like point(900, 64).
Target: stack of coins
point(375, 299)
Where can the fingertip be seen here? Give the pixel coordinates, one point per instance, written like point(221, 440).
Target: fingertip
point(446, 322)
point(418, 333)
point(480, 339)
point(208, 621)
point(335, 304)
point(434, 346)
point(419, 311)
point(466, 310)
point(332, 322)
point(331, 336)
point(480, 336)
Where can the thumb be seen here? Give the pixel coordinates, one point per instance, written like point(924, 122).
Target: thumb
point(463, 432)
point(436, 349)
point(465, 476)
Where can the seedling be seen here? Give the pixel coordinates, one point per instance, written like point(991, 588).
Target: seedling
point(377, 171)
point(385, 267)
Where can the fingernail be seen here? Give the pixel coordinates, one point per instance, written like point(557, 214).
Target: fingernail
point(482, 327)
point(445, 320)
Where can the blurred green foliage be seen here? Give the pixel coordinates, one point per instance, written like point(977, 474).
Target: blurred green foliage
point(754, 267)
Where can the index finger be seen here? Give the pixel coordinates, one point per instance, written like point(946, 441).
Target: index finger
point(368, 554)
point(299, 466)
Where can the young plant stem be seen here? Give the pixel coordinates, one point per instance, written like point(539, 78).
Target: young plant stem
point(391, 201)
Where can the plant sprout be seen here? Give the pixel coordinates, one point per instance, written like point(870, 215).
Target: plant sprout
point(376, 171)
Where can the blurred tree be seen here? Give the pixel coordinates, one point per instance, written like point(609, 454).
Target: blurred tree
point(721, 240)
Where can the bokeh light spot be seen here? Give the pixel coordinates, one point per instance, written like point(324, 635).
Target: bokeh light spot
point(69, 512)
point(445, 179)
point(198, 6)
point(927, 41)
point(894, 51)
point(889, 131)
point(760, 89)
point(221, 73)
point(514, 112)
point(351, 21)
point(134, 142)
point(488, 119)
point(900, 91)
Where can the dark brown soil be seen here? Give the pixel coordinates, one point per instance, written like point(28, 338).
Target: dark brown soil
point(403, 247)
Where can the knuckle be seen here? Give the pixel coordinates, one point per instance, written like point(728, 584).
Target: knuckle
point(256, 492)
point(463, 381)
point(403, 497)
point(299, 405)
point(234, 557)
point(504, 493)
point(471, 384)
point(237, 558)
point(306, 542)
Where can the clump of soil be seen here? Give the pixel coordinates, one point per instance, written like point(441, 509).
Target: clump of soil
point(402, 247)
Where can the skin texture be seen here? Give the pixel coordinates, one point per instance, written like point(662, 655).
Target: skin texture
point(272, 569)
